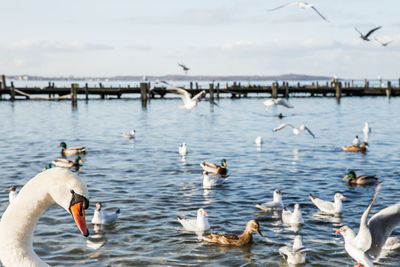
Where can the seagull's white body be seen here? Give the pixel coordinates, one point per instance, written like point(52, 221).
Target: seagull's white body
point(130, 135)
point(289, 217)
point(188, 101)
point(301, 5)
point(213, 180)
point(182, 149)
point(356, 141)
point(279, 101)
point(366, 131)
point(295, 254)
point(200, 224)
point(371, 236)
point(329, 207)
point(296, 131)
point(53, 186)
point(275, 204)
point(258, 140)
point(100, 217)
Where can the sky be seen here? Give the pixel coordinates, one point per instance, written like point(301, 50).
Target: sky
point(100, 38)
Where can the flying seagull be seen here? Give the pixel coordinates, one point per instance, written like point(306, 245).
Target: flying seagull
point(184, 67)
point(270, 102)
point(296, 131)
point(189, 101)
point(365, 37)
point(383, 43)
point(302, 5)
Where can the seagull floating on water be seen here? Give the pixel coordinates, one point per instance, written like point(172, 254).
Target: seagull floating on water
point(270, 102)
point(210, 181)
point(130, 135)
point(329, 207)
point(356, 141)
point(366, 131)
point(200, 224)
point(365, 37)
point(289, 217)
point(296, 131)
point(275, 204)
point(100, 217)
point(182, 149)
point(258, 140)
point(383, 43)
point(295, 254)
point(301, 5)
point(189, 101)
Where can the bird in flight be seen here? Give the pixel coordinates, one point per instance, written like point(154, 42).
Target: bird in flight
point(189, 101)
point(270, 102)
point(383, 43)
point(365, 37)
point(302, 5)
point(296, 131)
point(184, 67)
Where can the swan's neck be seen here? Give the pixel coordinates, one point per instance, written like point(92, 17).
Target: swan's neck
point(18, 223)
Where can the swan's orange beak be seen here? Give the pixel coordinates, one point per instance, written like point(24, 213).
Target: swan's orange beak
point(78, 212)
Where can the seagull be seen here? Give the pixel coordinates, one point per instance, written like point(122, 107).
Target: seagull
point(383, 43)
point(258, 140)
point(329, 207)
point(210, 181)
point(275, 204)
point(371, 236)
point(189, 102)
point(184, 67)
point(182, 149)
point(200, 224)
point(279, 101)
point(302, 5)
point(296, 131)
point(295, 254)
point(356, 141)
point(365, 37)
point(99, 217)
point(366, 131)
point(130, 135)
point(289, 217)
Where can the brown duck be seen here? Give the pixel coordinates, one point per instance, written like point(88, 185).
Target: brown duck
point(362, 148)
point(214, 168)
point(235, 240)
point(360, 180)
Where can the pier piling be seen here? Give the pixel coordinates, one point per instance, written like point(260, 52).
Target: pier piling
point(86, 92)
point(143, 94)
point(389, 89)
point(211, 91)
point(74, 99)
point(338, 89)
point(274, 90)
point(12, 92)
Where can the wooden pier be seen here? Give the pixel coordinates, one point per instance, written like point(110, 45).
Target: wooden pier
point(333, 88)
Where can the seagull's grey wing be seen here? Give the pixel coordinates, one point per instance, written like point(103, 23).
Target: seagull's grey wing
point(282, 102)
point(280, 127)
point(309, 131)
point(381, 226)
point(371, 31)
point(199, 95)
point(323, 205)
point(181, 92)
point(319, 13)
point(363, 240)
point(285, 5)
point(359, 31)
point(376, 39)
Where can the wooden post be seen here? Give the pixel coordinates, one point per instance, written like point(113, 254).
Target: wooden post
point(74, 87)
point(286, 84)
point(197, 85)
point(12, 92)
point(274, 92)
point(143, 94)
point(86, 92)
point(365, 83)
point(389, 89)
point(211, 87)
point(191, 85)
point(218, 91)
point(352, 84)
point(338, 86)
point(380, 81)
point(4, 85)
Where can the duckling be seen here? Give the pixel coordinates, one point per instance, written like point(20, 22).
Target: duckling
point(182, 149)
point(362, 148)
point(214, 168)
point(13, 193)
point(360, 180)
point(200, 224)
point(275, 204)
point(294, 217)
point(99, 217)
point(65, 163)
point(71, 151)
point(235, 240)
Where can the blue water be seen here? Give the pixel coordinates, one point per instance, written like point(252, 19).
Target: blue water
point(151, 184)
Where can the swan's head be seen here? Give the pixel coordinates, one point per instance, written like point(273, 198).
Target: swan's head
point(63, 145)
point(68, 191)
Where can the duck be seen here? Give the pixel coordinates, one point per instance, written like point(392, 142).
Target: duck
point(12, 193)
point(200, 224)
point(328, 207)
point(210, 181)
point(295, 254)
point(289, 217)
point(275, 204)
point(65, 163)
point(235, 240)
point(182, 149)
point(17, 225)
point(100, 217)
point(214, 168)
point(360, 180)
point(47, 166)
point(71, 151)
point(130, 135)
point(362, 148)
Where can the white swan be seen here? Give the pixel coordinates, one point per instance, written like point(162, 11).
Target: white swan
point(18, 222)
point(13, 193)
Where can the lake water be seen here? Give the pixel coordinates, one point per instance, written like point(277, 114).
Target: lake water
point(151, 184)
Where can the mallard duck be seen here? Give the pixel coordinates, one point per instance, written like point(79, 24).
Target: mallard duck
point(235, 240)
point(327, 206)
point(71, 151)
point(214, 168)
point(360, 180)
point(213, 180)
point(275, 204)
point(48, 166)
point(65, 163)
point(362, 148)
point(99, 217)
point(200, 224)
